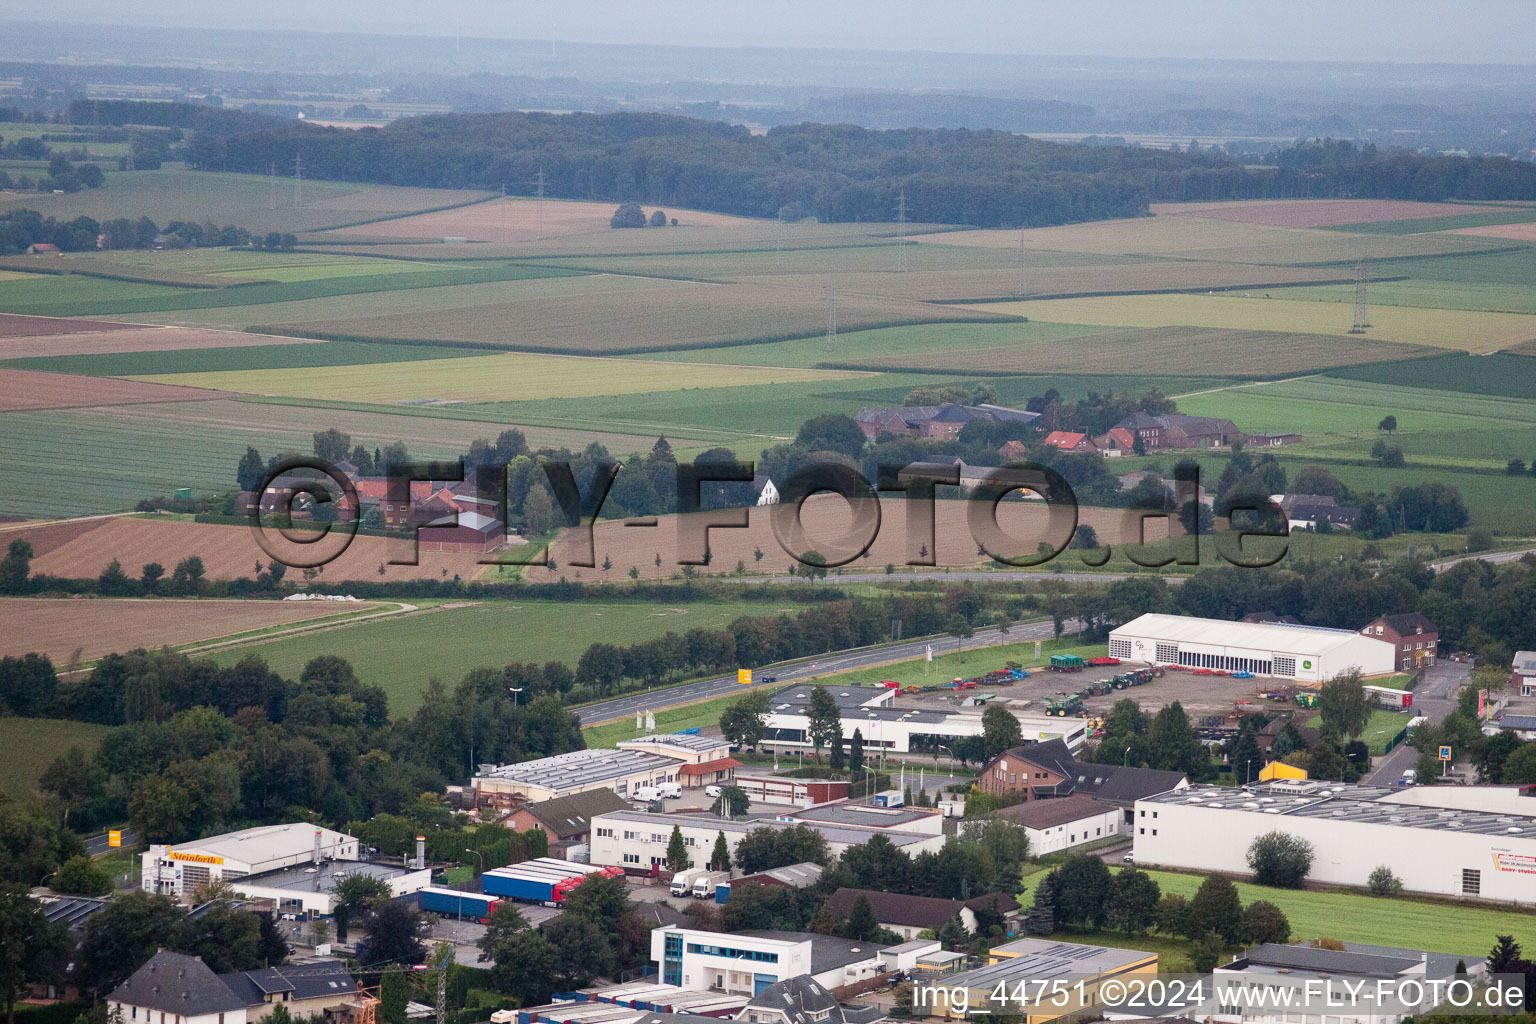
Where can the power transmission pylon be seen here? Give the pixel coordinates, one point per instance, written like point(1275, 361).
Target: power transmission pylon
point(539, 210)
point(832, 320)
point(272, 189)
point(1023, 264)
point(901, 230)
point(1362, 312)
point(298, 180)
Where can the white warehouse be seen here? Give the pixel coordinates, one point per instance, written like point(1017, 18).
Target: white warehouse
point(1309, 654)
point(1466, 842)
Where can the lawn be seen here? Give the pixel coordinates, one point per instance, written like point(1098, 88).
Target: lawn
point(402, 654)
point(505, 376)
point(1442, 328)
point(1461, 928)
point(31, 744)
point(1383, 724)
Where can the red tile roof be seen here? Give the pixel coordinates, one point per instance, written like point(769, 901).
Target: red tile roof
point(1064, 439)
point(719, 764)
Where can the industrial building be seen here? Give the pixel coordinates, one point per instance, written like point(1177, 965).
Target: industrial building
point(176, 870)
point(883, 819)
point(1307, 654)
point(637, 840)
point(1034, 962)
point(691, 760)
point(1469, 842)
point(746, 963)
point(887, 729)
point(1061, 824)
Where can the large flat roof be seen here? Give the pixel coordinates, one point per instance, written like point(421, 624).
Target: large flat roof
point(1266, 636)
point(1047, 958)
point(862, 815)
point(264, 842)
point(576, 768)
point(832, 833)
point(319, 879)
point(1371, 805)
point(694, 743)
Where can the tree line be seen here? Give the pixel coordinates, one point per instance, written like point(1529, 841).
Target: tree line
point(835, 172)
point(22, 227)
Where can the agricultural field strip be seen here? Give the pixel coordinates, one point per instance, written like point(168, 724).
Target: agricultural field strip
point(1473, 296)
point(254, 356)
point(1473, 331)
point(491, 378)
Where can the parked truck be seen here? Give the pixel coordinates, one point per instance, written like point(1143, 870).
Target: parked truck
point(543, 880)
point(453, 903)
point(704, 884)
point(682, 882)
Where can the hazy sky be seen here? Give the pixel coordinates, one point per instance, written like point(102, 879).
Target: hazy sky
point(1454, 31)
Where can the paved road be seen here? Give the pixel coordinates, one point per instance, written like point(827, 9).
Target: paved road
point(97, 845)
point(1486, 556)
point(1000, 576)
point(719, 686)
point(1434, 698)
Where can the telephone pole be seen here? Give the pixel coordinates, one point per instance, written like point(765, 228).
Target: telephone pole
point(831, 319)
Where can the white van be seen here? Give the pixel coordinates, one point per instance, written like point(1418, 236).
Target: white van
point(682, 883)
point(1410, 777)
point(704, 885)
point(646, 794)
point(670, 790)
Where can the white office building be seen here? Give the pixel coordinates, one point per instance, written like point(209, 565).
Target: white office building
point(1466, 842)
point(1309, 654)
point(745, 963)
point(637, 840)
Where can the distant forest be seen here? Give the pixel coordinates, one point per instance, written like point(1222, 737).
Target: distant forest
point(831, 172)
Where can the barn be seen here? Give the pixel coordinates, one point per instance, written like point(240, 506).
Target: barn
point(1307, 654)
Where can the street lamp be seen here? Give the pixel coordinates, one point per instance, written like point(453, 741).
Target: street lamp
point(514, 691)
point(952, 759)
point(1125, 762)
point(477, 853)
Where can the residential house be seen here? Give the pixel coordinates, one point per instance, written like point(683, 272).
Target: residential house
point(802, 1000)
point(566, 818)
point(767, 493)
point(1306, 511)
point(319, 989)
point(908, 915)
point(1013, 451)
point(173, 988)
point(1047, 770)
point(1414, 637)
point(1522, 677)
point(1068, 441)
point(1115, 442)
point(1266, 736)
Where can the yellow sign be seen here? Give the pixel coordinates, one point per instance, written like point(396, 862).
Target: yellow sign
point(114, 838)
point(744, 676)
point(196, 858)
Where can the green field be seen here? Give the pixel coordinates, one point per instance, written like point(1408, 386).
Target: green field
point(1428, 294)
point(950, 664)
point(1509, 376)
point(31, 744)
point(888, 343)
point(1461, 928)
point(255, 202)
point(226, 360)
point(402, 654)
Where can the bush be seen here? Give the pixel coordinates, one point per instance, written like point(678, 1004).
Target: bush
point(1384, 883)
point(1264, 922)
point(1280, 859)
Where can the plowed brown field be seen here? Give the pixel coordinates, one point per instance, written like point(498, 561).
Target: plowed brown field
point(94, 627)
point(13, 325)
point(133, 338)
point(34, 389)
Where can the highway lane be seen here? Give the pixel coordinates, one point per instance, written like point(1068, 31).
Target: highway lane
point(839, 661)
point(1434, 698)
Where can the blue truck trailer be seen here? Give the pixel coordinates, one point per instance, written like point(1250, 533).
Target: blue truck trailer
point(453, 903)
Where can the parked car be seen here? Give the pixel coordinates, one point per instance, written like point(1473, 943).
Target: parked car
point(1129, 858)
point(1410, 777)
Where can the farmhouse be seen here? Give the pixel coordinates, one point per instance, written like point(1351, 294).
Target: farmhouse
point(1303, 653)
point(1477, 842)
point(1174, 431)
point(1414, 636)
point(1309, 511)
point(935, 422)
point(43, 249)
point(1067, 441)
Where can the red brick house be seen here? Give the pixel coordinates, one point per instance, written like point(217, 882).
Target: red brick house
point(1414, 636)
point(1068, 441)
